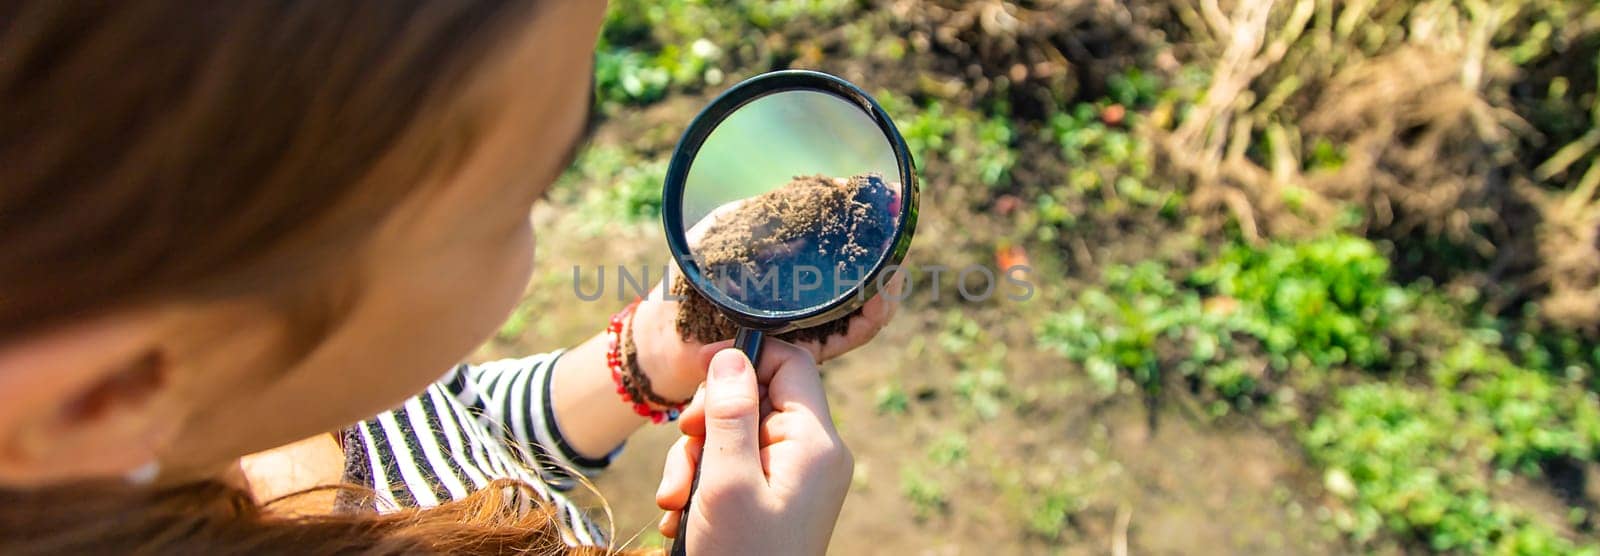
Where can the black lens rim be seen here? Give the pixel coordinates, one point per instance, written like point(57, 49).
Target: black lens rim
point(700, 129)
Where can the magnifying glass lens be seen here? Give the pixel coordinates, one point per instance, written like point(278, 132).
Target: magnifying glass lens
point(792, 200)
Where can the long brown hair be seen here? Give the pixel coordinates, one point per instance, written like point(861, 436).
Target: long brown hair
point(161, 150)
point(214, 518)
point(151, 150)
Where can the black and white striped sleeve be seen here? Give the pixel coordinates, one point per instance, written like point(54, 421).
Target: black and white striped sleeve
point(512, 398)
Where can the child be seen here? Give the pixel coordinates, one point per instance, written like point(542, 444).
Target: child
point(231, 228)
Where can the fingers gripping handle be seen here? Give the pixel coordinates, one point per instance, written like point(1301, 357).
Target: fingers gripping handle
point(748, 341)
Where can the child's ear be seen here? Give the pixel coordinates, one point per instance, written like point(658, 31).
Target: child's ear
point(85, 400)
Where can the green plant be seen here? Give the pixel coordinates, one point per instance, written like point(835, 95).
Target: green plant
point(1533, 417)
point(978, 149)
point(980, 381)
point(1123, 327)
point(983, 390)
point(926, 495)
point(1566, 353)
point(771, 13)
point(1043, 500)
point(949, 450)
point(611, 185)
point(647, 49)
point(1050, 511)
point(1407, 461)
point(1107, 163)
point(624, 75)
point(1312, 304)
point(990, 153)
point(1134, 88)
point(891, 399)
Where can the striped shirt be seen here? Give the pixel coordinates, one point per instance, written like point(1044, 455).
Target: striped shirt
point(476, 424)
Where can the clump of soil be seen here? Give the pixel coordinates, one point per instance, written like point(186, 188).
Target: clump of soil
point(790, 248)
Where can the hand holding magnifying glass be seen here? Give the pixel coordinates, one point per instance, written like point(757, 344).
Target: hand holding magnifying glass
point(774, 473)
point(823, 204)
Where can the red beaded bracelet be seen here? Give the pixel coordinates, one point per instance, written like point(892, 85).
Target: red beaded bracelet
point(621, 378)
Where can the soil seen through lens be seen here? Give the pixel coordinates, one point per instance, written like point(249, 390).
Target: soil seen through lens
point(794, 247)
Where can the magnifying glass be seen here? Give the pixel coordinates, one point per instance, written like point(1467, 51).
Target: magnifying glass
point(787, 202)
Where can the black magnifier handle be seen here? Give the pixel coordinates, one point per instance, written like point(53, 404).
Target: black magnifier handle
point(748, 341)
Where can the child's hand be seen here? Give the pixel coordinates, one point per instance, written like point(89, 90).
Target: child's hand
point(677, 366)
point(775, 471)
